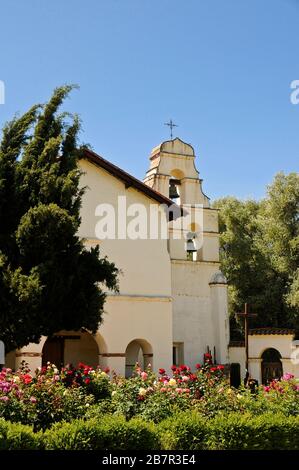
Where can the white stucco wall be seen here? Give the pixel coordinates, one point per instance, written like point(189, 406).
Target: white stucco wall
point(257, 344)
point(237, 355)
point(145, 264)
point(193, 305)
point(163, 298)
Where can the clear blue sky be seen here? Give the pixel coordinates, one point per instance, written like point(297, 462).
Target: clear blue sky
point(220, 69)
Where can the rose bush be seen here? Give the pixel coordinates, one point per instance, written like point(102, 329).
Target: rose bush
point(41, 399)
point(49, 395)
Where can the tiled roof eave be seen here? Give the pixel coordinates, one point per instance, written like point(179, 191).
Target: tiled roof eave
point(271, 331)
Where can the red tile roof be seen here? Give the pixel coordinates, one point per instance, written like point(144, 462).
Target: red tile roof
point(129, 180)
point(271, 331)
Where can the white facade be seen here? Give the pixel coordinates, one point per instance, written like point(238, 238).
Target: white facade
point(200, 317)
point(171, 305)
point(262, 340)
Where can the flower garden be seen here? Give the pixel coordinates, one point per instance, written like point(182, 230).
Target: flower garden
point(84, 408)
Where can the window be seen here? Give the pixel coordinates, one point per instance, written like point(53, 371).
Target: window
point(178, 354)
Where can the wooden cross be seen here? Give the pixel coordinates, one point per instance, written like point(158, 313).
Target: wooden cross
point(171, 124)
point(246, 315)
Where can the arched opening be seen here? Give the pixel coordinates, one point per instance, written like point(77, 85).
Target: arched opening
point(175, 185)
point(193, 244)
point(139, 351)
point(71, 347)
point(271, 365)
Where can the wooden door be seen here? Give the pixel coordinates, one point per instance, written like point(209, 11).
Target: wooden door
point(53, 351)
point(271, 371)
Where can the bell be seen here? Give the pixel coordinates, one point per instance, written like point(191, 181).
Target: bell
point(190, 246)
point(173, 192)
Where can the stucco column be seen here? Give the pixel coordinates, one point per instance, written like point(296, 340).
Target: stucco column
point(32, 358)
point(220, 320)
point(288, 366)
point(31, 354)
point(255, 368)
point(115, 362)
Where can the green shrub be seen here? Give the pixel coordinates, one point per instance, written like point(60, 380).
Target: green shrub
point(246, 432)
point(159, 406)
point(98, 410)
point(15, 436)
point(190, 431)
point(183, 431)
point(105, 433)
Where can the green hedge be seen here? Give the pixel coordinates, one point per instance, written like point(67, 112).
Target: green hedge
point(184, 431)
point(15, 436)
point(189, 431)
point(264, 432)
point(106, 433)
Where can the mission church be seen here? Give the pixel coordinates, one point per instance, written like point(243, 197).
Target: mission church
point(171, 307)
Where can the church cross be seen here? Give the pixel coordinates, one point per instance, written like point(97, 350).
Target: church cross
point(171, 124)
point(246, 315)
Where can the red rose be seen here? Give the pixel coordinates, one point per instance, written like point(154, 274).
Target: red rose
point(208, 355)
point(27, 379)
point(198, 366)
point(183, 367)
point(173, 368)
point(87, 381)
point(220, 367)
point(162, 371)
point(213, 369)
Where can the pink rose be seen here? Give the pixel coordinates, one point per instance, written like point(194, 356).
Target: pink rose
point(287, 376)
point(185, 378)
point(144, 375)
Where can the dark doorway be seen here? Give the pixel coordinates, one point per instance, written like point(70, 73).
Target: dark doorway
point(53, 351)
point(235, 375)
point(271, 365)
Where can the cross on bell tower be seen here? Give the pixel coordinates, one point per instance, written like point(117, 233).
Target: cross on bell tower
point(171, 125)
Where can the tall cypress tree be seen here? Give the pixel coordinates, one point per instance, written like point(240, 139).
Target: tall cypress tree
point(48, 280)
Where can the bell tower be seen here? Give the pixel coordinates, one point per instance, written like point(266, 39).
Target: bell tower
point(173, 173)
point(199, 290)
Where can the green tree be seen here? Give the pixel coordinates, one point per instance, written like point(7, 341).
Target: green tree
point(279, 217)
point(259, 254)
point(48, 280)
